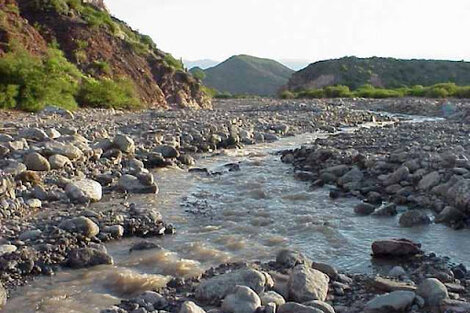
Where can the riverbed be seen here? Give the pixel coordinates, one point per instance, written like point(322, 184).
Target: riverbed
point(247, 209)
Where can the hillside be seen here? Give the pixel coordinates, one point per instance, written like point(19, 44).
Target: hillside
point(380, 72)
point(100, 46)
point(243, 74)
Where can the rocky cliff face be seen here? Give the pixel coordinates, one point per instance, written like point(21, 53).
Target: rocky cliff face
point(100, 46)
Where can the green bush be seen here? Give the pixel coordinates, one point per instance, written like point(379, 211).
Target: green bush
point(286, 94)
point(463, 92)
point(437, 92)
point(8, 94)
point(339, 91)
point(416, 91)
point(50, 80)
point(198, 73)
point(107, 93)
point(223, 95)
point(210, 92)
point(172, 62)
point(368, 91)
point(311, 94)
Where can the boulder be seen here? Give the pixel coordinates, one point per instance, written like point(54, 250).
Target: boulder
point(59, 161)
point(364, 209)
point(124, 143)
point(167, 151)
point(386, 210)
point(84, 190)
point(82, 225)
point(272, 297)
point(241, 300)
point(36, 162)
point(132, 184)
point(87, 257)
point(68, 150)
point(292, 307)
point(320, 305)
point(7, 249)
point(216, 288)
point(395, 248)
point(307, 284)
point(454, 306)
point(326, 268)
point(353, 176)
point(396, 177)
point(414, 218)
point(33, 134)
point(459, 195)
point(396, 301)
point(429, 181)
point(449, 215)
point(290, 258)
point(191, 307)
point(3, 296)
point(432, 291)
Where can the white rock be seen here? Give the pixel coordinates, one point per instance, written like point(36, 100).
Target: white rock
point(7, 249)
point(307, 284)
point(124, 143)
point(242, 300)
point(272, 297)
point(218, 287)
point(395, 301)
point(84, 190)
point(191, 307)
point(432, 291)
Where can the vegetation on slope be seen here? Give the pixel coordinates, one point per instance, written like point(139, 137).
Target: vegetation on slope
point(245, 74)
point(68, 53)
point(441, 90)
point(380, 72)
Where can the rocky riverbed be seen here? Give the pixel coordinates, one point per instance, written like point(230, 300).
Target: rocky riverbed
point(66, 177)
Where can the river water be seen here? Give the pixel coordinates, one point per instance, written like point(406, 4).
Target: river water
point(238, 215)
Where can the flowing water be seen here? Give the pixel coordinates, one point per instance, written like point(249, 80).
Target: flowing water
point(238, 215)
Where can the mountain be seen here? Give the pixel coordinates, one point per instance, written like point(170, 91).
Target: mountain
point(380, 72)
point(244, 74)
point(204, 63)
point(100, 46)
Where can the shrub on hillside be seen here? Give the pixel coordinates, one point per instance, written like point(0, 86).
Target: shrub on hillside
point(311, 94)
point(108, 93)
point(50, 80)
point(463, 92)
point(286, 94)
point(339, 91)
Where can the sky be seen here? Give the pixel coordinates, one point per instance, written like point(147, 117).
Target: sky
point(302, 29)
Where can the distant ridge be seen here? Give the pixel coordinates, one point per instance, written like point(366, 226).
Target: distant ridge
point(244, 74)
point(380, 72)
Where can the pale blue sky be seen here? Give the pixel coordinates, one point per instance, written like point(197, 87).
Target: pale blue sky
point(302, 29)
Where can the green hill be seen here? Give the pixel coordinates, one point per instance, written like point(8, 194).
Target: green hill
point(379, 72)
point(243, 74)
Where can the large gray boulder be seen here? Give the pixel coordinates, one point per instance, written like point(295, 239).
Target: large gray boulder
point(124, 143)
point(432, 291)
point(167, 151)
point(36, 162)
point(216, 288)
point(396, 177)
point(132, 184)
point(68, 150)
point(3, 296)
point(396, 301)
point(82, 225)
point(395, 248)
point(320, 305)
point(272, 297)
point(59, 161)
point(191, 307)
point(84, 190)
point(291, 258)
point(307, 284)
point(292, 307)
point(429, 181)
point(414, 218)
point(33, 134)
point(87, 257)
point(241, 300)
point(459, 195)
